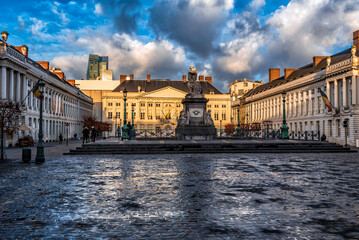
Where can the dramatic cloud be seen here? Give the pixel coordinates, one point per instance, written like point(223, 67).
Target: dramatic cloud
point(225, 39)
point(125, 13)
point(126, 55)
point(195, 24)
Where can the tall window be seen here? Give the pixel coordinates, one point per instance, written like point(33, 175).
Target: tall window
point(142, 116)
point(158, 115)
point(109, 104)
point(338, 128)
point(330, 128)
point(118, 104)
point(118, 115)
point(224, 116)
point(313, 106)
point(216, 115)
point(319, 104)
point(109, 115)
point(150, 114)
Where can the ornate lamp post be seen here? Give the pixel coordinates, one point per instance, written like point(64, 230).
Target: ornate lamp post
point(40, 157)
point(125, 129)
point(284, 128)
point(238, 129)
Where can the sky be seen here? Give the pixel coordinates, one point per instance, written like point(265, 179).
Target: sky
point(225, 39)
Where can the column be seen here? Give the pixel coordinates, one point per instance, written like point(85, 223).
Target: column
point(328, 92)
point(345, 100)
point(11, 85)
point(24, 87)
point(336, 102)
point(295, 104)
point(316, 109)
point(18, 87)
point(3, 82)
point(354, 89)
point(305, 110)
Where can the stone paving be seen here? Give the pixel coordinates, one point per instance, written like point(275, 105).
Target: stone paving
point(209, 196)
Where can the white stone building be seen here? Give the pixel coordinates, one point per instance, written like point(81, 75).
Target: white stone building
point(63, 102)
point(335, 75)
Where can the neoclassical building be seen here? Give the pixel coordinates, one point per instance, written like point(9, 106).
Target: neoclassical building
point(63, 102)
point(335, 75)
point(155, 103)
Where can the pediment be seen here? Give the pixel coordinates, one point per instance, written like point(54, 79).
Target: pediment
point(166, 92)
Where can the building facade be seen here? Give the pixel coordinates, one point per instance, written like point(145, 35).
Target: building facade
point(98, 68)
point(154, 103)
point(336, 75)
point(63, 102)
point(236, 90)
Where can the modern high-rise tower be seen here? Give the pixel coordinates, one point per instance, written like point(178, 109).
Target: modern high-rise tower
point(98, 68)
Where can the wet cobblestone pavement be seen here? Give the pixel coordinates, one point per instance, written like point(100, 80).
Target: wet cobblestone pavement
point(226, 196)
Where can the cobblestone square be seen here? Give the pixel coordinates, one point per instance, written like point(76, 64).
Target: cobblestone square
point(208, 196)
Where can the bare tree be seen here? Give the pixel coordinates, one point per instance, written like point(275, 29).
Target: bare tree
point(10, 118)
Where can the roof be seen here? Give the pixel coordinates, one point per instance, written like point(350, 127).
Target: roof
point(155, 84)
point(301, 72)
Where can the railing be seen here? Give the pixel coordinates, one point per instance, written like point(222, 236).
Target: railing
point(243, 134)
point(152, 134)
point(270, 134)
point(12, 52)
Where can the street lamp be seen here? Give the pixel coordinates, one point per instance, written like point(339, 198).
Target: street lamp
point(238, 129)
point(125, 129)
point(284, 128)
point(40, 157)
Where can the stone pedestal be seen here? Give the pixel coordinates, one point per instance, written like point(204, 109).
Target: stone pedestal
point(195, 123)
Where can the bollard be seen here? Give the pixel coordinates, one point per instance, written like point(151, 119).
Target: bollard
point(26, 154)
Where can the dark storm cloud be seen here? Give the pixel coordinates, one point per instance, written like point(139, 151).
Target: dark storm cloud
point(195, 27)
point(125, 14)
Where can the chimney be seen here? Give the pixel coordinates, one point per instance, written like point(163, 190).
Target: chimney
point(288, 71)
point(317, 59)
point(148, 77)
point(184, 78)
point(209, 79)
point(23, 49)
point(59, 73)
point(274, 73)
point(201, 78)
point(131, 76)
point(72, 82)
point(356, 38)
point(44, 64)
point(122, 78)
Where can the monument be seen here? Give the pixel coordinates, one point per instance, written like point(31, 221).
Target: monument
point(195, 122)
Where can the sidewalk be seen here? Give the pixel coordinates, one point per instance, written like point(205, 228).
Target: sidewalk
point(52, 149)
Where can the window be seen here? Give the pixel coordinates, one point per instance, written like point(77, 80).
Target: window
point(216, 106)
point(109, 115)
point(319, 104)
point(224, 116)
point(224, 106)
point(330, 128)
point(149, 127)
point(216, 115)
point(143, 104)
point(118, 104)
point(109, 104)
point(209, 106)
point(142, 116)
point(313, 106)
point(118, 115)
point(150, 105)
point(158, 115)
point(178, 105)
point(307, 107)
point(150, 117)
point(158, 104)
point(338, 128)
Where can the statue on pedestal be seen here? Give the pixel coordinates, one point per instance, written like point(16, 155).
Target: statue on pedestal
point(193, 85)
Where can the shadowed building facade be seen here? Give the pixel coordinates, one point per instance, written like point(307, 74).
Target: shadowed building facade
point(335, 75)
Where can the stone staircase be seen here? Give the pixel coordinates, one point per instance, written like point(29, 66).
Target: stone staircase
point(218, 146)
